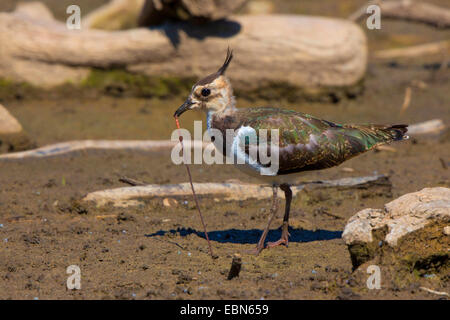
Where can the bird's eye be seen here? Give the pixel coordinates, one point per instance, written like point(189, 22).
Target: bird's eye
point(205, 92)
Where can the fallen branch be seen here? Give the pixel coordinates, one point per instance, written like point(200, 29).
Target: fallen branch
point(132, 182)
point(440, 293)
point(414, 11)
point(385, 148)
point(407, 99)
point(130, 196)
point(73, 146)
point(414, 51)
point(428, 127)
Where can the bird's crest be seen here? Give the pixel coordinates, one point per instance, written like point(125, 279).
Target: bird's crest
point(224, 67)
point(219, 72)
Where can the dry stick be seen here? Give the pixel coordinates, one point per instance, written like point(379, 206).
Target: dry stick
point(413, 51)
point(407, 100)
point(231, 191)
point(441, 293)
point(132, 182)
point(193, 192)
point(236, 265)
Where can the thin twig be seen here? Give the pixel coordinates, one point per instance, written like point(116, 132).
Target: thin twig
point(193, 192)
point(441, 293)
point(406, 100)
point(413, 51)
point(132, 182)
point(236, 264)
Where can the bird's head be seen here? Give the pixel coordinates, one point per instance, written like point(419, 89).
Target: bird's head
point(211, 94)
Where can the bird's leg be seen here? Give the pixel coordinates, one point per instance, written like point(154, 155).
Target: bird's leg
point(273, 212)
point(285, 232)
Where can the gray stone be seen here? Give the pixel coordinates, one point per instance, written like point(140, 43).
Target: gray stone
point(12, 136)
point(408, 232)
point(406, 214)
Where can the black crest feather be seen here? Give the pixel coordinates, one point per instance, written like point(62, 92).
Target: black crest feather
point(224, 67)
point(219, 72)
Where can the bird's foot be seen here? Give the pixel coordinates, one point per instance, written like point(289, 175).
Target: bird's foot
point(255, 251)
point(278, 243)
point(283, 240)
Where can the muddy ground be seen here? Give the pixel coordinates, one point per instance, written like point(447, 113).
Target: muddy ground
point(158, 252)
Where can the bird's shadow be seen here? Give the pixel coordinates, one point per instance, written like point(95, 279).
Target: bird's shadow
point(252, 236)
point(220, 29)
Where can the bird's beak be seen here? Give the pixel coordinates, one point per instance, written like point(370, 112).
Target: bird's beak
point(184, 107)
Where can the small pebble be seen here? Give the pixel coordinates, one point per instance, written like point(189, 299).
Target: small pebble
point(447, 230)
point(189, 254)
point(168, 202)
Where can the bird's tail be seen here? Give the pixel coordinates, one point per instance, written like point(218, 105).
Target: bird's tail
point(398, 131)
point(367, 136)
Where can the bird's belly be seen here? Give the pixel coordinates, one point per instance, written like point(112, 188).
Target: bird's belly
point(242, 162)
point(292, 178)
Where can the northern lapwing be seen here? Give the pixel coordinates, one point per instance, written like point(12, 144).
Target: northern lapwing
point(305, 142)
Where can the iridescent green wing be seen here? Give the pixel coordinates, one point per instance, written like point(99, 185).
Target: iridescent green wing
point(309, 143)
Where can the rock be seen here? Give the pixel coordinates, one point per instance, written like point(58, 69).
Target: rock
point(447, 230)
point(12, 136)
point(403, 215)
point(169, 202)
point(406, 236)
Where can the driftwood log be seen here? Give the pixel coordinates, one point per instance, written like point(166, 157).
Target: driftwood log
point(409, 10)
point(294, 51)
point(155, 12)
point(434, 126)
point(131, 196)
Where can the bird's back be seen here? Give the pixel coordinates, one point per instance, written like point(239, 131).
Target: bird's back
point(309, 143)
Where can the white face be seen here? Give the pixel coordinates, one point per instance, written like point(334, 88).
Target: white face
point(212, 97)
